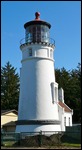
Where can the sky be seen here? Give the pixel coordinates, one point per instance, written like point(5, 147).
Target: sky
point(65, 20)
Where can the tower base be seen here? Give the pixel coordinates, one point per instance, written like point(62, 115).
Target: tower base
point(46, 126)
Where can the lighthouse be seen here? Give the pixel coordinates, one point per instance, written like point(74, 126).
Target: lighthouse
point(38, 99)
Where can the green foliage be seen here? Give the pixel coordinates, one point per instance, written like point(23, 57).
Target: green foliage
point(70, 81)
point(9, 87)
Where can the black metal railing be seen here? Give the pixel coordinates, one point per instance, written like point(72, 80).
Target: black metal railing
point(37, 39)
point(42, 138)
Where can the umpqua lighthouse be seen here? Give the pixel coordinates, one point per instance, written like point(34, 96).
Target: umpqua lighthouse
point(38, 108)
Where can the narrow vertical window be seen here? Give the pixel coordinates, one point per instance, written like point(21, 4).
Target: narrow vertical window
point(47, 52)
point(51, 53)
point(30, 51)
point(64, 121)
point(69, 121)
point(53, 92)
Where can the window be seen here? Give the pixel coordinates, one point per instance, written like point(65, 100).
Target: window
point(52, 92)
point(51, 53)
point(47, 52)
point(30, 51)
point(56, 94)
point(28, 34)
point(64, 121)
point(69, 121)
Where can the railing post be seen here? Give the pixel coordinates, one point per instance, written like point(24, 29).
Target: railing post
point(1, 138)
point(18, 138)
point(40, 139)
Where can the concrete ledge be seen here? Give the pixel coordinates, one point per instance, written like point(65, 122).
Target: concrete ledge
point(35, 43)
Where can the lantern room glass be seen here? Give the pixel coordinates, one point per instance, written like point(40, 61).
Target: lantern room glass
point(37, 33)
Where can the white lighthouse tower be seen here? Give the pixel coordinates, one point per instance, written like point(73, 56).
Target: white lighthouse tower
point(38, 108)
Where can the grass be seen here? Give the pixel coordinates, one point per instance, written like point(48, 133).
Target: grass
point(8, 143)
point(71, 144)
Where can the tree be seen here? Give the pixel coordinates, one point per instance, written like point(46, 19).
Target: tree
point(63, 77)
point(76, 92)
point(9, 87)
point(70, 81)
point(63, 80)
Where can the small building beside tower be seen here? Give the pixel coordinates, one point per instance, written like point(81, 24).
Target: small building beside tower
point(65, 113)
point(41, 104)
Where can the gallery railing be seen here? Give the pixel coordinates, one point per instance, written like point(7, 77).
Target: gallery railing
point(37, 39)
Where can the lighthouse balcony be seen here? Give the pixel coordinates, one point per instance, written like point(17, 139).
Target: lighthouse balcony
point(43, 41)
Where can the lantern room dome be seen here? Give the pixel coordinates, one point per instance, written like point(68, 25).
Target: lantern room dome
point(37, 21)
point(37, 31)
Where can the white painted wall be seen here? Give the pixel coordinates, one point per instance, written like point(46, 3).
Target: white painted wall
point(38, 128)
point(61, 117)
point(62, 113)
point(37, 74)
point(68, 115)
